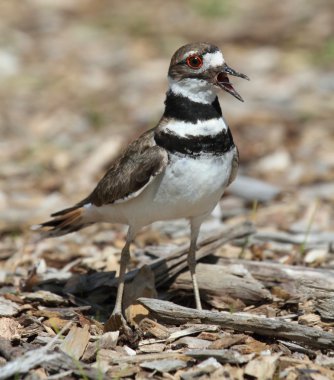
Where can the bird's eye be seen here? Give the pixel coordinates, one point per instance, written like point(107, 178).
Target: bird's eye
point(194, 61)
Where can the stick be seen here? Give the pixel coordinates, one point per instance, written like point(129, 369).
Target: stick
point(242, 322)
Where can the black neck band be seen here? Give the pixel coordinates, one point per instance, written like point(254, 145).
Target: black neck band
point(182, 108)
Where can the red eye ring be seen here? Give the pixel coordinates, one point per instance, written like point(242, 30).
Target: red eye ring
point(194, 61)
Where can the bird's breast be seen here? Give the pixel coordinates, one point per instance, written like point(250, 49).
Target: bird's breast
point(190, 186)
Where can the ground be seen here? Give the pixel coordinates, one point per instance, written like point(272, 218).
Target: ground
point(78, 81)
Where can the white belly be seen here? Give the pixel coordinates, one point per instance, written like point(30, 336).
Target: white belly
point(189, 187)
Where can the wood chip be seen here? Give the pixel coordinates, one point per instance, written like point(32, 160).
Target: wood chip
point(108, 356)
point(192, 342)
point(195, 329)
point(204, 368)
point(76, 341)
point(152, 348)
point(164, 365)
point(90, 352)
point(227, 341)
point(8, 308)
point(309, 319)
point(209, 365)
point(263, 367)
point(45, 297)
point(108, 339)
point(136, 359)
point(209, 336)
point(9, 329)
point(31, 359)
point(222, 356)
point(120, 372)
point(135, 313)
point(152, 328)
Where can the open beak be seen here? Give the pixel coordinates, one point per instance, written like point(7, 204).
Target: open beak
point(223, 81)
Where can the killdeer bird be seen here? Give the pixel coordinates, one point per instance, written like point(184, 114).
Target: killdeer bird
point(179, 169)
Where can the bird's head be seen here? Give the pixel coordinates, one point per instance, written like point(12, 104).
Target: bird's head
point(197, 70)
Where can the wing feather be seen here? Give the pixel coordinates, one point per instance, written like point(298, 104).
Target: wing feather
point(130, 173)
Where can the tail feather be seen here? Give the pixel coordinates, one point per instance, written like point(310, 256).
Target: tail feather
point(66, 211)
point(63, 222)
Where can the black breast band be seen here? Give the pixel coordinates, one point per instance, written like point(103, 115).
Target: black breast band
point(195, 145)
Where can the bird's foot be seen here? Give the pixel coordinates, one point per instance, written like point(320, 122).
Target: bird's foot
point(117, 322)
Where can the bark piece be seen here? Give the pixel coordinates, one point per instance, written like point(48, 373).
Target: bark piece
point(219, 285)
point(243, 322)
point(297, 282)
point(293, 347)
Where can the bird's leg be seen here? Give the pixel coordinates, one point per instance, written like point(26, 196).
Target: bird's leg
point(125, 257)
point(116, 321)
point(195, 226)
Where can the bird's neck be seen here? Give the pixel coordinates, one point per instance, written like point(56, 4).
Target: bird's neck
point(192, 128)
point(197, 90)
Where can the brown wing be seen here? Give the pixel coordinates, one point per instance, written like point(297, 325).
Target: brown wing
point(138, 165)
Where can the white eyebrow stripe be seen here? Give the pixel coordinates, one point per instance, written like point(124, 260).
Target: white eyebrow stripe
point(212, 60)
point(189, 54)
point(209, 59)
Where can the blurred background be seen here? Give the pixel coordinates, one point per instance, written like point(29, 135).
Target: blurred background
point(79, 79)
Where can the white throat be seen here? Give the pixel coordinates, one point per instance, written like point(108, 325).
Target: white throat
point(197, 90)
